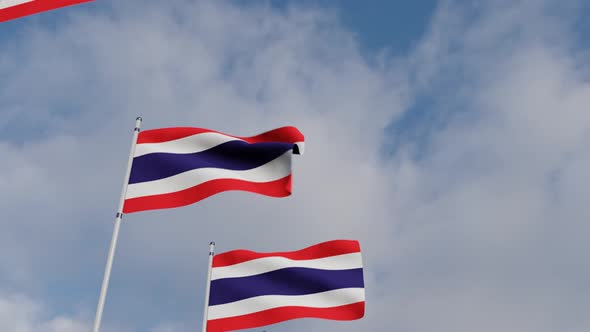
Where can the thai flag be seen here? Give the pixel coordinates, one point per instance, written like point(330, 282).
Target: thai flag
point(174, 167)
point(12, 9)
point(250, 289)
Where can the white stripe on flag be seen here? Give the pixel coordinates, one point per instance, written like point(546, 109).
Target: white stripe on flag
point(333, 298)
point(277, 169)
point(190, 144)
point(11, 3)
point(267, 264)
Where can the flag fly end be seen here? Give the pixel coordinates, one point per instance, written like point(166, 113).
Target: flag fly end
point(298, 148)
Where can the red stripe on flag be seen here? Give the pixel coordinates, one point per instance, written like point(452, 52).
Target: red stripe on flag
point(325, 249)
point(277, 188)
point(277, 315)
point(286, 134)
point(34, 7)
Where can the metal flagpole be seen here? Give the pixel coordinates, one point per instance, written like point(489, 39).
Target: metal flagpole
point(118, 217)
point(206, 310)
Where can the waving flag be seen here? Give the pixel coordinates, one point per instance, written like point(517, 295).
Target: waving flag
point(12, 9)
point(174, 167)
point(250, 289)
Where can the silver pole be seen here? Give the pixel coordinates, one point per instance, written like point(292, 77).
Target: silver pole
point(118, 217)
point(206, 310)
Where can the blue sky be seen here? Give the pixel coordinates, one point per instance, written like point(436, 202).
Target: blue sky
point(449, 138)
point(379, 24)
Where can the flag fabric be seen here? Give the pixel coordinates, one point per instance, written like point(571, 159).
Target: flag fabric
point(174, 167)
point(250, 289)
point(13, 9)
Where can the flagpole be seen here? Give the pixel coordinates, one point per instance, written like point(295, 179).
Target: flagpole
point(206, 309)
point(118, 217)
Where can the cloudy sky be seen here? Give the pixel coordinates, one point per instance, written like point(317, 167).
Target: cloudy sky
point(450, 138)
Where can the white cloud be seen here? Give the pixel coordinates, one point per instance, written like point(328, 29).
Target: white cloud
point(22, 314)
point(485, 231)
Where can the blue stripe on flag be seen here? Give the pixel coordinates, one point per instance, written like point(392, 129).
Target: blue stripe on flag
point(233, 155)
point(289, 281)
